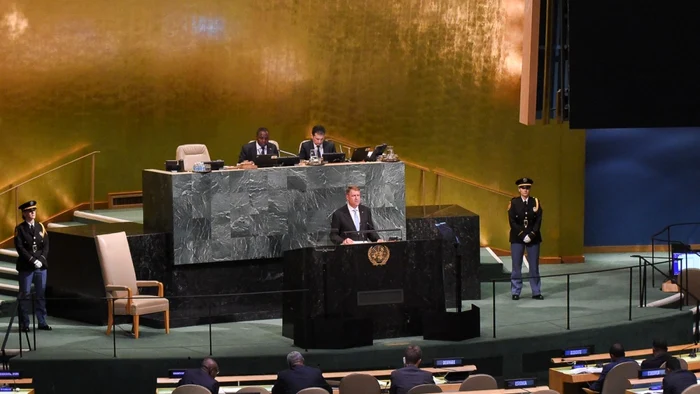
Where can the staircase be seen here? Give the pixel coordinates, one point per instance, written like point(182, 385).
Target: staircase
point(9, 285)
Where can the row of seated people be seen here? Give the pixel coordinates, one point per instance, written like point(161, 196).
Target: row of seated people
point(407, 380)
point(676, 380)
point(262, 145)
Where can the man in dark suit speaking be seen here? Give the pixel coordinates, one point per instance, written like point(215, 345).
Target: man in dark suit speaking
point(352, 222)
point(317, 144)
point(261, 146)
point(299, 377)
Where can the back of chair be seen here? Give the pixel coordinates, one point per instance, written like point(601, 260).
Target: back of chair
point(191, 389)
point(694, 389)
point(479, 382)
point(313, 390)
point(684, 364)
point(425, 389)
point(258, 390)
point(191, 154)
point(617, 380)
point(300, 144)
point(115, 262)
point(359, 383)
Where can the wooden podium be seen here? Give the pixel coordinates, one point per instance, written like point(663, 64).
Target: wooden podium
point(362, 292)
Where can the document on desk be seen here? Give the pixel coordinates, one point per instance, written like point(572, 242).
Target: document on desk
point(578, 371)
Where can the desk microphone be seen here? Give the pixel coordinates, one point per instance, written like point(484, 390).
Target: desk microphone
point(288, 153)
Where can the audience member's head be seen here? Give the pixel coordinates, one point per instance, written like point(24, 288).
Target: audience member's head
point(616, 351)
point(413, 355)
point(210, 366)
point(295, 358)
point(673, 364)
point(659, 346)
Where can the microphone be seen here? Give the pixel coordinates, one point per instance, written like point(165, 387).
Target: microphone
point(288, 153)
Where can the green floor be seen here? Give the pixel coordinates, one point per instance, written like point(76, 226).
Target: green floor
point(593, 298)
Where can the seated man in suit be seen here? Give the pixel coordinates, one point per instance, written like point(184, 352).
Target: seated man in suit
point(261, 146)
point(617, 356)
point(317, 143)
point(351, 218)
point(203, 376)
point(659, 355)
point(299, 377)
point(410, 375)
point(677, 379)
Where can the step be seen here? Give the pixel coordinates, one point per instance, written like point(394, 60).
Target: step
point(64, 224)
point(7, 269)
point(9, 252)
point(4, 298)
point(8, 256)
point(9, 286)
point(90, 217)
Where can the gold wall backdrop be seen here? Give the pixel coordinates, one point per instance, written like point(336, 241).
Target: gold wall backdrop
point(439, 80)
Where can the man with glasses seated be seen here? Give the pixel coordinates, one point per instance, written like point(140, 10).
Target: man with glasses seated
point(203, 376)
point(525, 217)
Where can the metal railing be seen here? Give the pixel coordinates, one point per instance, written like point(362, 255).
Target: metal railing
point(15, 188)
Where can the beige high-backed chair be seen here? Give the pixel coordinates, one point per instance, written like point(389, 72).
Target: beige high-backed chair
point(478, 382)
point(359, 383)
point(191, 154)
point(191, 389)
point(425, 389)
point(254, 390)
point(694, 389)
point(313, 390)
point(120, 283)
point(617, 380)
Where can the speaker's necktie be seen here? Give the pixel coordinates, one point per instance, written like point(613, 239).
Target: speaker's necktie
point(318, 151)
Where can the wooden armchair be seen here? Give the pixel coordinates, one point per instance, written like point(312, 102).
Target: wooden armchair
point(121, 285)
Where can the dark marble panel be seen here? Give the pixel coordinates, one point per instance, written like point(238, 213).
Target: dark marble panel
point(197, 293)
point(420, 224)
point(292, 205)
point(158, 201)
point(413, 267)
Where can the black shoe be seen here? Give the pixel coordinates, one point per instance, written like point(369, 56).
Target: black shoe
point(516, 297)
point(45, 327)
point(24, 328)
point(538, 297)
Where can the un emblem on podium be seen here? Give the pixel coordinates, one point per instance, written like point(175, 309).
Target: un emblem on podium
point(378, 255)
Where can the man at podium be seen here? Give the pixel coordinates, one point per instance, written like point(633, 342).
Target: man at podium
point(352, 222)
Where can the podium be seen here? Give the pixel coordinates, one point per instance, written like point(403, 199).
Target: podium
point(358, 293)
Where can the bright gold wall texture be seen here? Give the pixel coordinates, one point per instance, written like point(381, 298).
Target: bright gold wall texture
point(438, 80)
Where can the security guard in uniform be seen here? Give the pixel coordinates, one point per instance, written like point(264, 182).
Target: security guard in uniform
point(525, 216)
point(32, 244)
